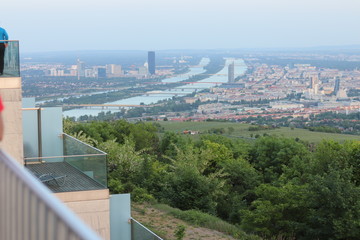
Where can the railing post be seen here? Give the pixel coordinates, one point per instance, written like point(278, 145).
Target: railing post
point(39, 132)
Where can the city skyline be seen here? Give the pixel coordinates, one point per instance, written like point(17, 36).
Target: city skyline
point(161, 25)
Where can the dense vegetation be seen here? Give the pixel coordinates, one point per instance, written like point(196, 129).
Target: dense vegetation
point(274, 187)
point(331, 122)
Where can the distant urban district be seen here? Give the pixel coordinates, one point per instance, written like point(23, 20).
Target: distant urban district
point(315, 90)
point(285, 174)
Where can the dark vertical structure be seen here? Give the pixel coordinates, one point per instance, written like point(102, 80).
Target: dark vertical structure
point(337, 85)
point(101, 72)
point(314, 80)
point(231, 73)
point(151, 62)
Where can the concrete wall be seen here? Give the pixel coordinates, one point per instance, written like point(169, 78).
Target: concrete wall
point(93, 207)
point(10, 91)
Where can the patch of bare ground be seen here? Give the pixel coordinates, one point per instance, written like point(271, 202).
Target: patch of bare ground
point(165, 225)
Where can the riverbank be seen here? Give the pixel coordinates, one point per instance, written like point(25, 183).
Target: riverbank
point(214, 75)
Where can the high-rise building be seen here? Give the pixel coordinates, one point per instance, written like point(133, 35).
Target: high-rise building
point(231, 73)
point(337, 85)
point(313, 81)
point(151, 62)
point(80, 69)
point(89, 73)
point(101, 72)
point(113, 70)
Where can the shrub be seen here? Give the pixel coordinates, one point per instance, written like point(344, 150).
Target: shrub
point(180, 232)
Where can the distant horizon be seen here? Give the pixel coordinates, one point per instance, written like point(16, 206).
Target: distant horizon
point(69, 25)
point(315, 47)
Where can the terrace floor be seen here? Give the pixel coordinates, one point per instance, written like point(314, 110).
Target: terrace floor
point(75, 180)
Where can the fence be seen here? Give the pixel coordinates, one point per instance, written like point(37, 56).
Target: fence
point(30, 211)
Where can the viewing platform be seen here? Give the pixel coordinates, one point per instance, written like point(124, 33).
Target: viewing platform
point(11, 60)
point(10, 79)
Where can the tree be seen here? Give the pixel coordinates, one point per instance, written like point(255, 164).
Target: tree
point(230, 130)
point(169, 144)
point(124, 162)
point(334, 192)
point(238, 147)
point(187, 189)
point(186, 185)
point(278, 212)
point(241, 181)
point(334, 206)
point(145, 136)
point(215, 154)
point(354, 160)
point(270, 155)
point(84, 138)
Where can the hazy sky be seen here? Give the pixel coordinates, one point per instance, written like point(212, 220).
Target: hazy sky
point(56, 25)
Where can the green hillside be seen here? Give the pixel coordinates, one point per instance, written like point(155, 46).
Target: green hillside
point(273, 187)
point(165, 220)
point(241, 130)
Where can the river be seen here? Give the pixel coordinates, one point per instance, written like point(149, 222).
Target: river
point(214, 80)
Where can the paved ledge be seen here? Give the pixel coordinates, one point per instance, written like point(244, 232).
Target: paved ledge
point(10, 82)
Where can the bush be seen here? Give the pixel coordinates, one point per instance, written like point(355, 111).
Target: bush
point(180, 232)
point(140, 195)
point(208, 221)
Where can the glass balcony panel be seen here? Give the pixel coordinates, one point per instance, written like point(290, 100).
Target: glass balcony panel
point(92, 166)
point(85, 158)
point(11, 60)
point(138, 231)
point(51, 131)
point(50, 143)
point(30, 134)
point(72, 146)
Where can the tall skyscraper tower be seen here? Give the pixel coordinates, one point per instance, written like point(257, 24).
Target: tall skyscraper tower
point(231, 73)
point(313, 81)
point(337, 85)
point(151, 62)
point(80, 69)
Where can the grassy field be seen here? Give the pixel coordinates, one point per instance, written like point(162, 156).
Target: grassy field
point(241, 131)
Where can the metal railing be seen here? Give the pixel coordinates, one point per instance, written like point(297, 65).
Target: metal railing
point(28, 210)
point(11, 59)
point(139, 231)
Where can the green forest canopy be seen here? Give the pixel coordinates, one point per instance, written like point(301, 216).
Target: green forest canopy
point(275, 187)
